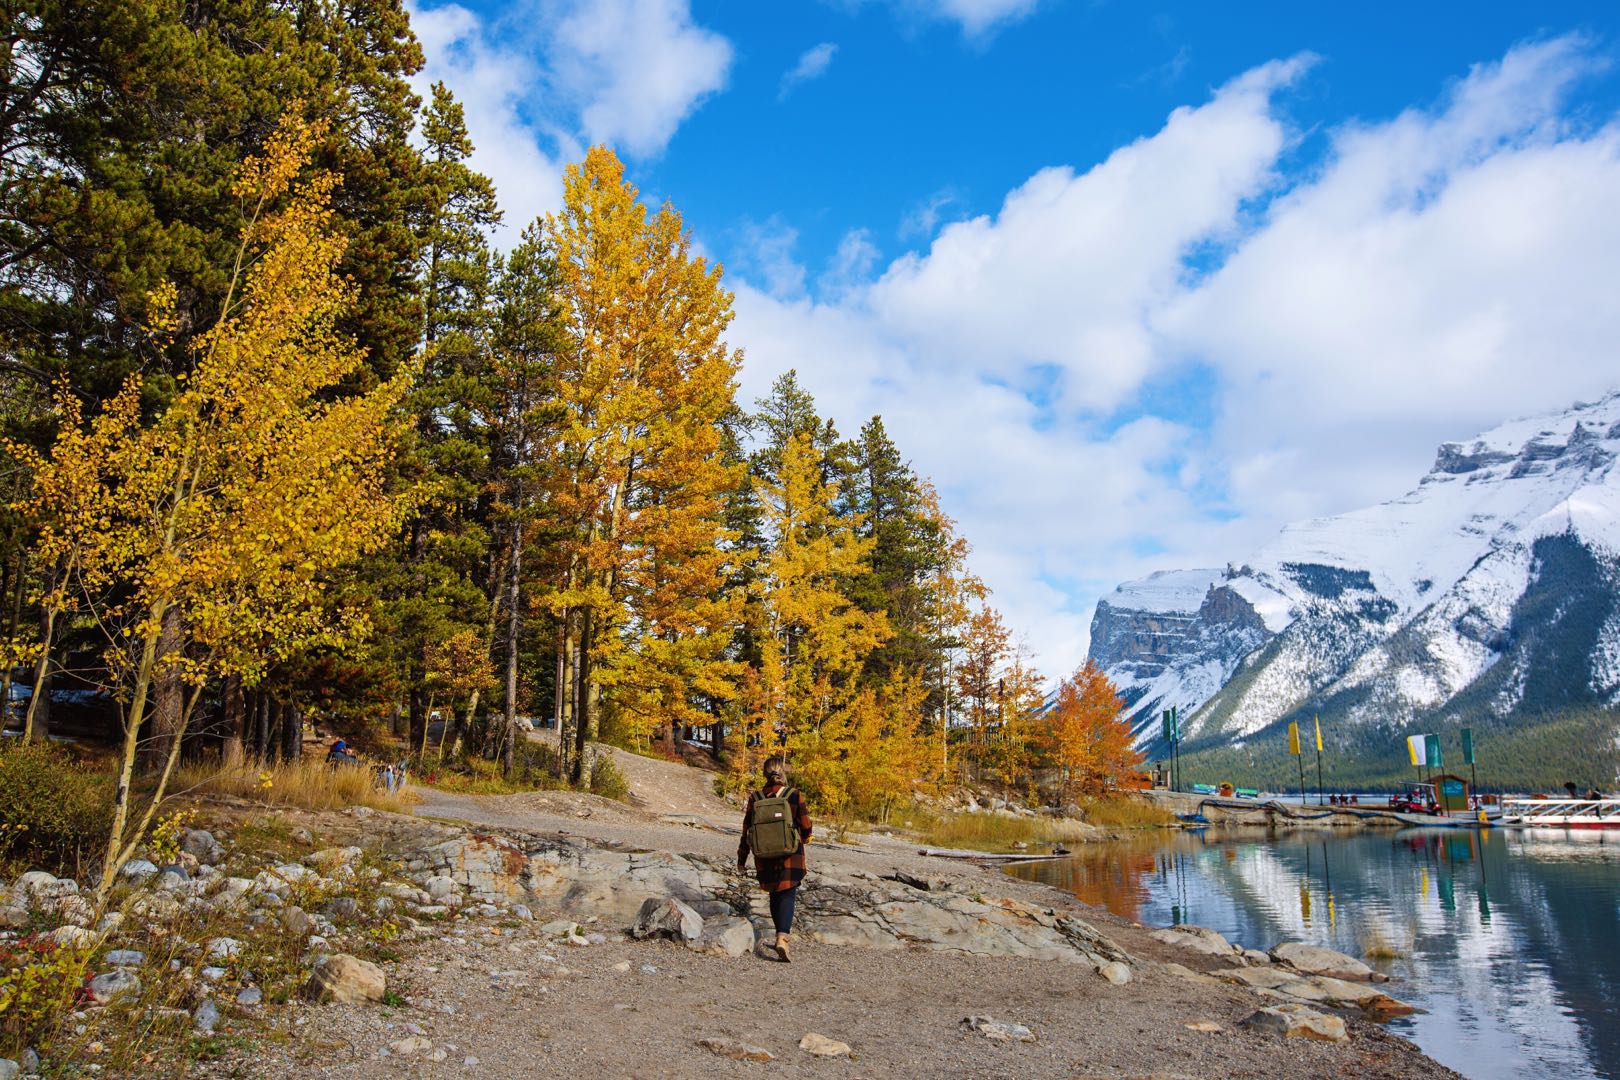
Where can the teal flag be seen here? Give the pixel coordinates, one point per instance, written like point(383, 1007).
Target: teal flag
point(1431, 743)
point(1468, 745)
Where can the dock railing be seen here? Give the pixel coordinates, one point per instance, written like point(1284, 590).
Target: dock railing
point(1562, 813)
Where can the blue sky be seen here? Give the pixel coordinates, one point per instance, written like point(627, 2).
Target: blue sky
point(1135, 285)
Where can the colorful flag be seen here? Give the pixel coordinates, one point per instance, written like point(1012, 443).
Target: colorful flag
point(1318, 734)
point(1293, 737)
point(1415, 749)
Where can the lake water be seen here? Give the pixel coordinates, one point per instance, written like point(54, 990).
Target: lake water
point(1509, 939)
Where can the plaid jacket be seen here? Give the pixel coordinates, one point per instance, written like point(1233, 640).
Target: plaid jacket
point(775, 875)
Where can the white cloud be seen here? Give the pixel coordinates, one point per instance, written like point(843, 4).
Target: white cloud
point(545, 79)
point(977, 16)
point(640, 67)
point(1435, 274)
point(1066, 273)
point(1447, 269)
point(813, 64)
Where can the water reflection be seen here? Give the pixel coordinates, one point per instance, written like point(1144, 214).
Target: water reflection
point(1509, 940)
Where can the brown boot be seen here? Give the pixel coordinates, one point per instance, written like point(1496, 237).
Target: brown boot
point(782, 952)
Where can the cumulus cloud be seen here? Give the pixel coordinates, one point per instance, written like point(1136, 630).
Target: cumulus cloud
point(813, 64)
point(541, 81)
point(1436, 273)
point(639, 67)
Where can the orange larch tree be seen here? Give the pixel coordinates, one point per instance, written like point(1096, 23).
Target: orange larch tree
point(1090, 738)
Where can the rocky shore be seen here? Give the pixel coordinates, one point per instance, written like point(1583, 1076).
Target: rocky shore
point(547, 934)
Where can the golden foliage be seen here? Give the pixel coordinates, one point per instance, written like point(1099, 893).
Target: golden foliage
point(1089, 737)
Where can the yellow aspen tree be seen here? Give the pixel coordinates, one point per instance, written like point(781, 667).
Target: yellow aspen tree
point(640, 386)
point(1010, 756)
point(889, 757)
point(236, 505)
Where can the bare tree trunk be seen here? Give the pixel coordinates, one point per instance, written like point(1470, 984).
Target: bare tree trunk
point(583, 702)
point(37, 721)
point(417, 701)
point(514, 622)
point(168, 694)
point(292, 733)
point(262, 721)
point(232, 708)
point(565, 693)
point(14, 585)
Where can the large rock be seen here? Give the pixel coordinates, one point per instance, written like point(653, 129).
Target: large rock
point(346, 980)
point(821, 1046)
point(1298, 1021)
point(1198, 939)
point(667, 918)
point(726, 936)
point(1315, 960)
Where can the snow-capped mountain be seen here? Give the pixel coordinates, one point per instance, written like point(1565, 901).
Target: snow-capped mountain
point(1487, 593)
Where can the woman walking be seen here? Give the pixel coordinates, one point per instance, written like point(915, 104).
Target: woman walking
point(779, 862)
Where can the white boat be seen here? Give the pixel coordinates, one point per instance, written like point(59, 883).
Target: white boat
point(1601, 813)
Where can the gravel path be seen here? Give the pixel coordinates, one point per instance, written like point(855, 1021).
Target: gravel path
point(526, 1007)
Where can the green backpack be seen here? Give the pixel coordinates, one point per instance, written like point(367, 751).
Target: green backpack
point(773, 834)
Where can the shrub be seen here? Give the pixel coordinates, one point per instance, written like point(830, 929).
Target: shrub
point(608, 781)
point(39, 981)
point(53, 811)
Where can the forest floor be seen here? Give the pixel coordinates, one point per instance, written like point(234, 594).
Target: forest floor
point(513, 1003)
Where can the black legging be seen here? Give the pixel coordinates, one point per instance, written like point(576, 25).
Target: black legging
point(782, 909)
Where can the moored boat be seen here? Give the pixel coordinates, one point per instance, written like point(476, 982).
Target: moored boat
point(1598, 813)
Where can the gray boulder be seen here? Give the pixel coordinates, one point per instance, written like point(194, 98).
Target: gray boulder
point(1298, 1021)
point(1315, 960)
point(202, 844)
point(113, 985)
point(346, 980)
point(725, 936)
point(667, 917)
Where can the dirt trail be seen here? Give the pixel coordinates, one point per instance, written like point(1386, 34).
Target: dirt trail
point(670, 787)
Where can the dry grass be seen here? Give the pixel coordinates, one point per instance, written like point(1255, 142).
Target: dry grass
point(1125, 812)
point(309, 784)
point(1004, 832)
point(996, 832)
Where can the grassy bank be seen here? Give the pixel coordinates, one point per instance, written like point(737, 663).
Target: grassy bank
point(1003, 833)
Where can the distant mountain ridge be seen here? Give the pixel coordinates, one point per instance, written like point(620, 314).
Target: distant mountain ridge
point(1485, 597)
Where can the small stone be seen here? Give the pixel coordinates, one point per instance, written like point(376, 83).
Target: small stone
point(1115, 972)
point(297, 920)
point(622, 966)
point(469, 1062)
point(9, 1070)
point(72, 937)
point(109, 922)
point(821, 1046)
point(138, 870)
point(202, 844)
point(439, 1054)
point(223, 948)
point(648, 969)
point(213, 974)
point(172, 878)
point(741, 1051)
point(303, 836)
point(411, 1044)
point(329, 859)
point(341, 907)
point(999, 1030)
point(114, 984)
point(522, 912)
point(206, 1018)
point(30, 1061)
point(250, 995)
point(558, 928)
point(1209, 1027)
point(126, 958)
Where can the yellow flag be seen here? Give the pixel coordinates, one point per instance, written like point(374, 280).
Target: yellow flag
point(1318, 734)
point(1293, 737)
point(1415, 749)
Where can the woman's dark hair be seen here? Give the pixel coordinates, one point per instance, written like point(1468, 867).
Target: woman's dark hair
point(774, 762)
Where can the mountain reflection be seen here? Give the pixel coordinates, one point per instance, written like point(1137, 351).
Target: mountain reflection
point(1510, 941)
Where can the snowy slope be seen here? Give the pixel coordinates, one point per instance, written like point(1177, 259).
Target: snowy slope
point(1393, 611)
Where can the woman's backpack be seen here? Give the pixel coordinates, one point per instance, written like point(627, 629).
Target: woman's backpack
point(773, 832)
